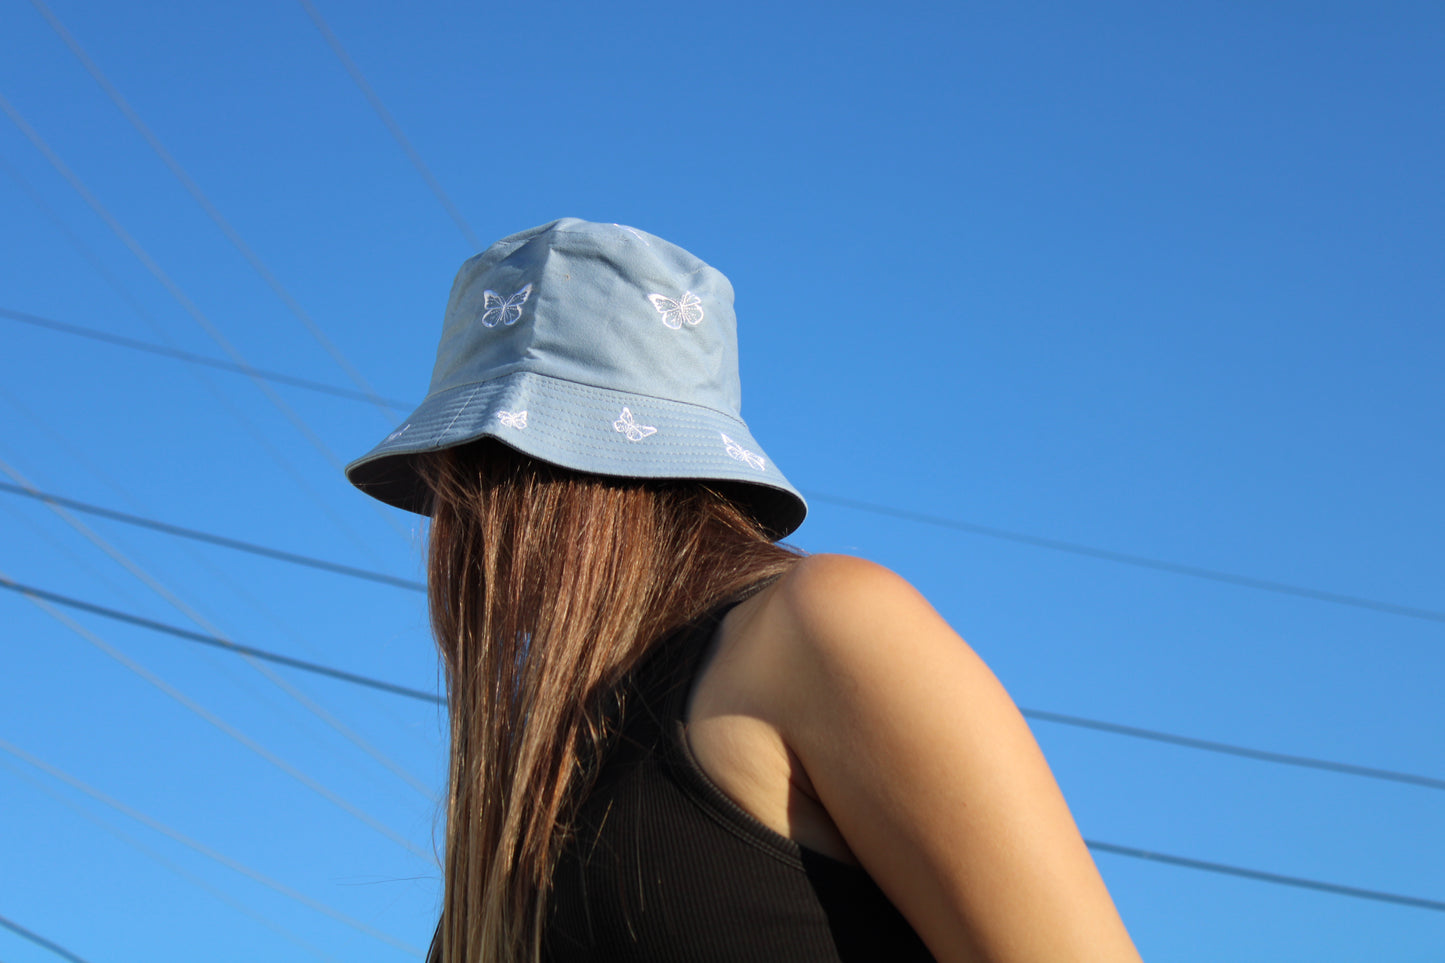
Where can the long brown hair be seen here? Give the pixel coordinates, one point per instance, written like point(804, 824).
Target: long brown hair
point(546, 587)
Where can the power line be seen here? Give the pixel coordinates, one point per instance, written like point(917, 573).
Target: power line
point(262, 441)
point(136, 344)
point(211, 854)
point(40, 941)
point(174, 867)
point(1139, 561)
point(230, 730)
point(1263, 877)
point(219, 642)
point(1205, 745)
point(305, 701)
point(165, 280)
point(191, 308)
point(1059, 718)
point(1132, 852)
point(1100, 846)
point(1075, 548)
point(350, 571)
point(1389, 608)
point(200, 198)
point(938, 521)
point(359, 79)
point(244, 589)
point(884, 510)
point(211, 539)
point(1278, 879)
point(82, 248)
point(1284, 759)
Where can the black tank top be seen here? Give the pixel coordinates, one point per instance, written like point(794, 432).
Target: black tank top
point(663, 867)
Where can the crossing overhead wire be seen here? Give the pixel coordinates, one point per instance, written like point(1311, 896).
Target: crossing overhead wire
point(875, 508)
point(334, 42)
point(76, 564)
point(135, 344)
point(1132, 852)
point(1209, 745)
point(211, 854)
point(40, 941)
point(219, 642)
point(115, 554)
point(923, 518)
point(215, 215)
point(309, 782)
point(359, 79)
point(223, 541)
point(1042, 715)
point(1139, 561)
point(1081, 722)
point(81, 247)
point(217, 570)
point(261, 440)
point(171, 865)
point(244, 590)
point(191, 308)
point(1263, 877)
point(1098, 846)
point(305, 701)
point(1047, 543)
point(1376, 605)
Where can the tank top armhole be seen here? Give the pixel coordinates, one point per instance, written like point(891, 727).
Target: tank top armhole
point(684, 769)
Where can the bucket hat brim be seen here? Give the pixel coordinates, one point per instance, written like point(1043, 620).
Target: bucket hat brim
point(596, 430)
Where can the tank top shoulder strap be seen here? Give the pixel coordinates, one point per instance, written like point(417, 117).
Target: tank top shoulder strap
point(674, 666)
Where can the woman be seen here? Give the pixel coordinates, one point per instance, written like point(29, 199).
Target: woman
point(671, 738)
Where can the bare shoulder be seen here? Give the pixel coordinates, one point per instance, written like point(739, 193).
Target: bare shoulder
point(928, 770)
point(861, 647)
point(833, 602)
point(837, 621)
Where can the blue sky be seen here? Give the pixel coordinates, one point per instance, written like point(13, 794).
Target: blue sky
point(1161, 281)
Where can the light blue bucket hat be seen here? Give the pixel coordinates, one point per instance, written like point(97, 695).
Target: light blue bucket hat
point(596, 347)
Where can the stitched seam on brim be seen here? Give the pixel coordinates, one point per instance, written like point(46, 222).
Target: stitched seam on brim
point(584, 384)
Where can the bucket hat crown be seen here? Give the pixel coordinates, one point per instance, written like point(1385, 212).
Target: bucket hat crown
point(596, 347)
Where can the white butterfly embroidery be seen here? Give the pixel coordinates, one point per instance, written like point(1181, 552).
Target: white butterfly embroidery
point(500, 310)
point(633, 231)
point(674, 313)
point(513, 419)
point(628, 426)
point(737, 451)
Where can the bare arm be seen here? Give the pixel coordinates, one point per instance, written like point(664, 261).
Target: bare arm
point(931, 774)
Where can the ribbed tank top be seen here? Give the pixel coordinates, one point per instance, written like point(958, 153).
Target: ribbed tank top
point(663, 867)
